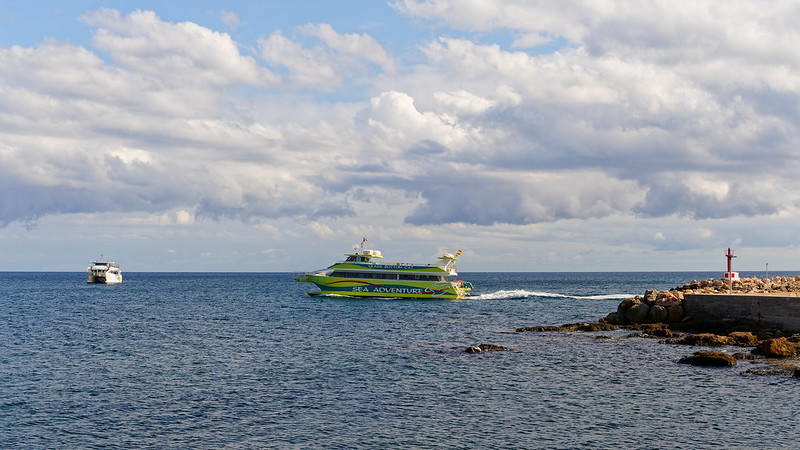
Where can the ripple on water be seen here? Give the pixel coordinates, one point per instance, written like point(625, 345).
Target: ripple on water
point(213, 360)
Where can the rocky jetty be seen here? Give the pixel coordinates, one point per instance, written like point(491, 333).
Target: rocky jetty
point(660, 314)
point(667, 306)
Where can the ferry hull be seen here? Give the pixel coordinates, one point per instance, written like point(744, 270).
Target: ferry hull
point(107, 279)
point(386, 289)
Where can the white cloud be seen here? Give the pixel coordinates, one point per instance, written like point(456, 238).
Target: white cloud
point(360, 46)
point(176, 53)
point(307, 67)
point(324, 65)
point(399, 121)
point(530, 40)
point(463, 102)
point(183, 217)
point(654, 122)
point(230, 18)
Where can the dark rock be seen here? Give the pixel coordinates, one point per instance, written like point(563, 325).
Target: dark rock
point(657, 314)
point(492, 348)
point(764, 335)
point(743, 338)
point(705, 339)
point(622, 309)
point(540, 329)
point(675, 313)
point(610, 318)
point(637, 314)
point(651, 329)
point(595, 327)
point(485, 348)
point(771, 370)
point(710, 359)
point(776, 348)
point(647, 327)
point(660, 333)
point(745, 356)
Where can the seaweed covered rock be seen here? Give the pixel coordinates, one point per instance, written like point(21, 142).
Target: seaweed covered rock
point(659, 330)
point(594, 327)
point(743, 338)
point(705, 339)
point(776, 348)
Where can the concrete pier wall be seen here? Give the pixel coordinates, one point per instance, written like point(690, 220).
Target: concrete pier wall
point(764, 311)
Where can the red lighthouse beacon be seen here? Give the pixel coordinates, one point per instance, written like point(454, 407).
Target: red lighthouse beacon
point(730, 275)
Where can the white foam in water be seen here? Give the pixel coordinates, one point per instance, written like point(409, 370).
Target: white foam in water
point(521, 293)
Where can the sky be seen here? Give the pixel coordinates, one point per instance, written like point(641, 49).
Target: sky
point(271, 136)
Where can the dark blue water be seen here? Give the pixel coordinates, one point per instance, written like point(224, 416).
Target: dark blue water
point(249, 360)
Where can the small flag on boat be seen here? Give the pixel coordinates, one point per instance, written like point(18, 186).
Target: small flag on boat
point(458, 253)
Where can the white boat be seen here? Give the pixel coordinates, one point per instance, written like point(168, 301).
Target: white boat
point(104, 272)
point(360, 276)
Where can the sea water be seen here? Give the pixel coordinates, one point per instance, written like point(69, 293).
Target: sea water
point(249, 360)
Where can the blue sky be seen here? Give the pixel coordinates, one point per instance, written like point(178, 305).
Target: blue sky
point(272, 136)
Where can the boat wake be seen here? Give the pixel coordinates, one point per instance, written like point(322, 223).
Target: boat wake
point(521, 294)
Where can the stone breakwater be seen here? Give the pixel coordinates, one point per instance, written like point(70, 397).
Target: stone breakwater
point(662, 315)
point(668, 306)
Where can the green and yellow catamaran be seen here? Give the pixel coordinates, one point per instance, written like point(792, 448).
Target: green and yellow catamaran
point(359, 276)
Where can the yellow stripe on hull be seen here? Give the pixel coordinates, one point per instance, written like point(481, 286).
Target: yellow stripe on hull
point(386, 288)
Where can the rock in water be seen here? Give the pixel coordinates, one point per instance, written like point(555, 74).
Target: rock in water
point(485, 348)
point(743, 338)
point(710, 359)
point(776, 348)
point(706, 339)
